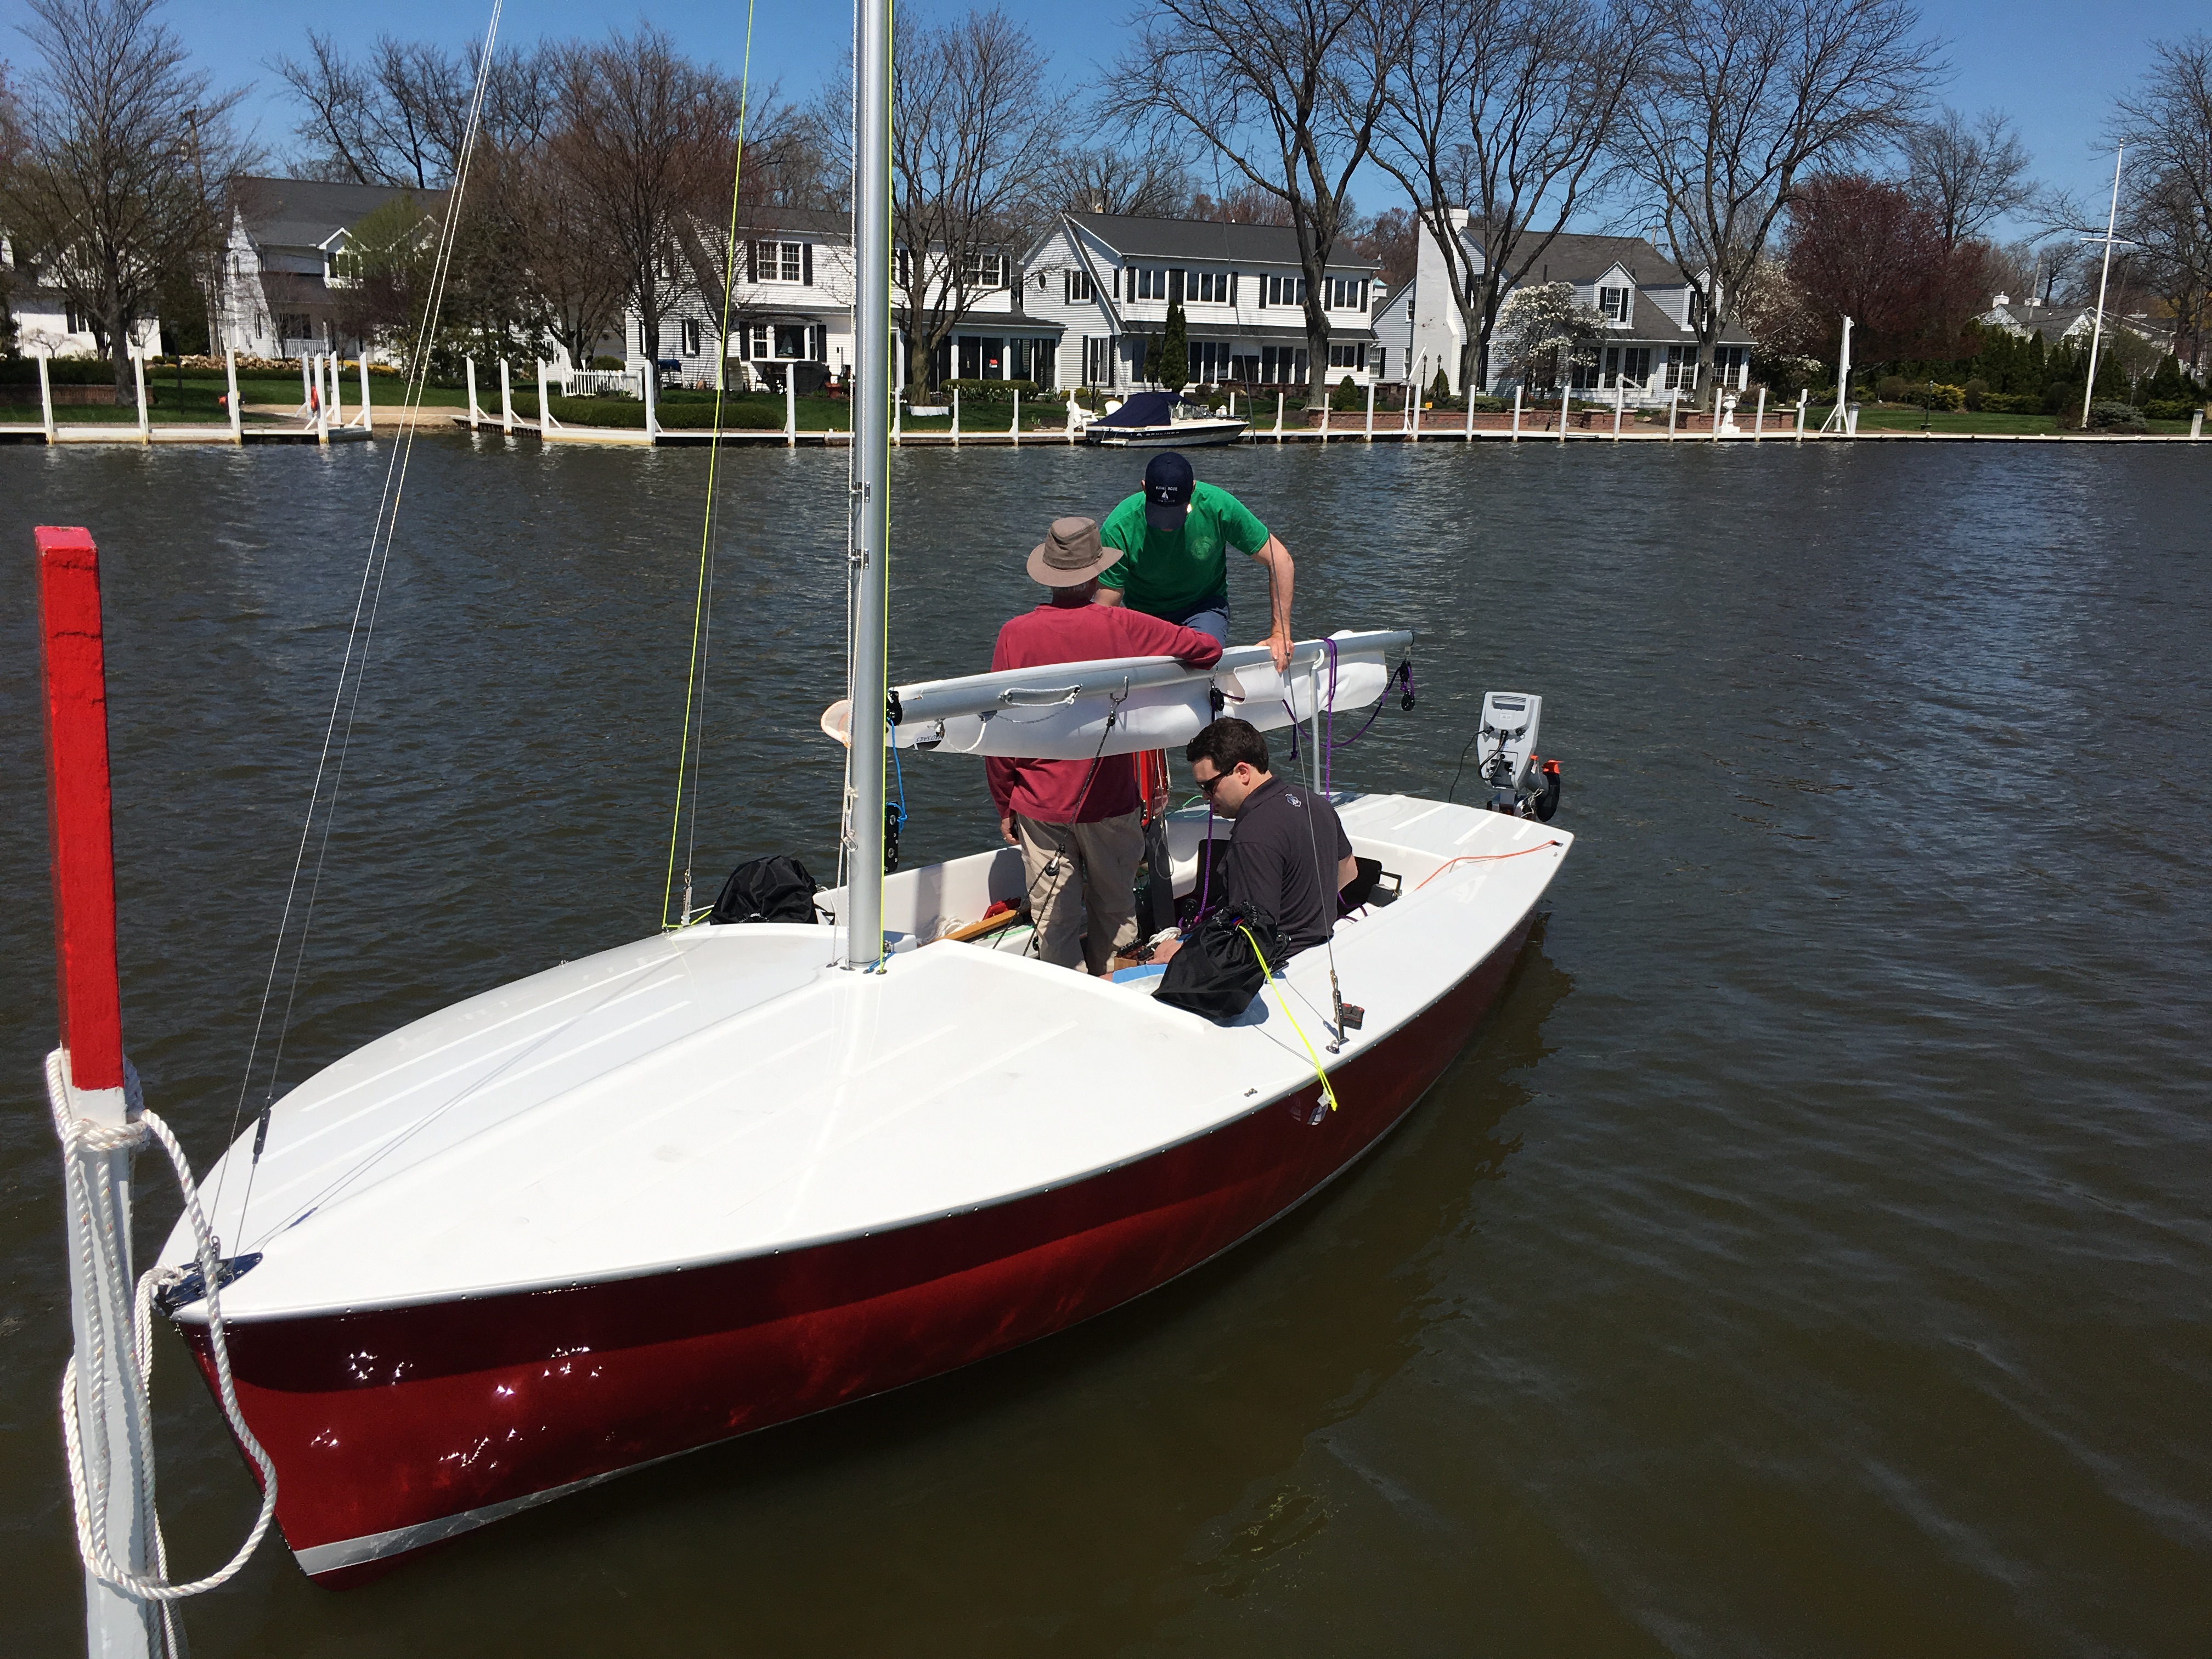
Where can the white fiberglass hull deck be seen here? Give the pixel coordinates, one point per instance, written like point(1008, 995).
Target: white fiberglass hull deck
point(708, 1181)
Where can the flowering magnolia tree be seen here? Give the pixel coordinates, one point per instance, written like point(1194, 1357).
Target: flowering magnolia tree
point(1543, 329)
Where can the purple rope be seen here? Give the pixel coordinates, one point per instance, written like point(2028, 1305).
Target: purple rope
point(1328, 722)
point(1206, 888)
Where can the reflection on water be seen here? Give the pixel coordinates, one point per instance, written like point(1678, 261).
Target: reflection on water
point(1825, 1274)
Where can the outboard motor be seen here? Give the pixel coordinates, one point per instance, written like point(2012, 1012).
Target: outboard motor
point(1521, 782)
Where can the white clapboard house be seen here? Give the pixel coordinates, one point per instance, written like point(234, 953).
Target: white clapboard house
point(1648, 354)
point(280, 289)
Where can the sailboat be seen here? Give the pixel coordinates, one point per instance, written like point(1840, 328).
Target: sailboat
point(728, 1175)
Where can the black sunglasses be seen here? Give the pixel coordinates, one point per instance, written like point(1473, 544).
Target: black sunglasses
point(1207, 785)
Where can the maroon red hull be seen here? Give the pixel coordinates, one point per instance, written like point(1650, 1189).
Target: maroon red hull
point(384, 1422)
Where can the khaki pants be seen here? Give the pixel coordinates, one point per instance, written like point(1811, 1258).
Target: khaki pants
point(1092, 867)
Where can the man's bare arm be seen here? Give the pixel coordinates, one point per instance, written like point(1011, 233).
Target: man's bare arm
point(1282, 573)
point(1106, 595)
point(1347, 870)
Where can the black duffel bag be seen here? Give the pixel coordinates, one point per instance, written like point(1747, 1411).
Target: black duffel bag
point(1216, 975)
point(775, 889)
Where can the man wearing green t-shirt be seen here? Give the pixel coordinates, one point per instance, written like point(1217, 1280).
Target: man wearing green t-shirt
point(1174, 536)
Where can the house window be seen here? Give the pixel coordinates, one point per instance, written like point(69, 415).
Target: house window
point(1283, 366)
point(1347, 355)
point(782, 262)
point(1732, 364)
point(691, 338)
point(790, 341)
point(295, 325)
point(1210, 363)
point(1613, 302)
point(1211, 287)
point(980, 270)
point(1380, 360)
point(1282, 290)
point(1694, 310)
point(1636, 366)
point(1342, 294)
point(1097, 360)
point(1148, 283)
point(1682, 369)
point(1079, 286)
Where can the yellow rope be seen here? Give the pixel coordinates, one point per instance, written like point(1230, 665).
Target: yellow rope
point(714, 455)
point(1327, 1092)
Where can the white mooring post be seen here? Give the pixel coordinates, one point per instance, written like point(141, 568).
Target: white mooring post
point(322, 405)
point(898, 419)
point(1565, 400)
point(506, 400)
point(648, 382)
point(1279, 417)
point(2196, 423)
point(1673, 406)
point(956, 417)
point(46, 394)
point(367, 412)
point(1759, 420)
point(469, 364)
point(1370, 411)
point(791, 406)
point(1015, 430)
point(338, 388)
point(1801, 414)
point(1619, 403)
point(86, 1081)
point(1516, 413)
point(230, 380)
point(1071, 415)
point(1717, 414)
point(138, 372)
point(1470, 413)
point(306, 389)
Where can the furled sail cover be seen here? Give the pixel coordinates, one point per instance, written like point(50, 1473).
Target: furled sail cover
point(1062, 712)
point(1143, 408)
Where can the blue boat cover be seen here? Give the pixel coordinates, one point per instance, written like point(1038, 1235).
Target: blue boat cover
point(1143, 408)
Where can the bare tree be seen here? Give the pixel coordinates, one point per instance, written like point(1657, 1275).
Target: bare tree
point(1740, 99)
point(1245, 204)
point(2166, 123)
point(1971, 173)
point(1505, 109)
point(1142, 181)
point(125, 153)
point(1289, 93)
point(974, 164)
point(400, 117)
point(648, 143)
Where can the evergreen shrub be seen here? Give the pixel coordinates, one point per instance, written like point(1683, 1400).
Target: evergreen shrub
point(1892, 389)
point(2009, 402)
point(1976, 389)
point(2171, 408)
point(1935, 395)
point(988, 392)
point(2108, 414)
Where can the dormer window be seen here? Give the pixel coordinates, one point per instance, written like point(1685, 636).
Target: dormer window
point(1079, 286)
point(982, 270)
point(1613, 303)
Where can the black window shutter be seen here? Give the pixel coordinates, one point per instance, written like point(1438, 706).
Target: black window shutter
point(806, 263)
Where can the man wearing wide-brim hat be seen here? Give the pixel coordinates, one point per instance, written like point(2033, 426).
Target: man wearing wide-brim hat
point(1078, 822)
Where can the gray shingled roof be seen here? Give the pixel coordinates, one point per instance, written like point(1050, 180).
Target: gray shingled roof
point(306, 212)
point(1571, 257)
point(805, 221)
point(1202, 239)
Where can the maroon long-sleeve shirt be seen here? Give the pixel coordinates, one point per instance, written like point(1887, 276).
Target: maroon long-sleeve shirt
point(1074, 791)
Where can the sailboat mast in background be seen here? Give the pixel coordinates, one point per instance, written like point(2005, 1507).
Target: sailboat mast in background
point(870, 545)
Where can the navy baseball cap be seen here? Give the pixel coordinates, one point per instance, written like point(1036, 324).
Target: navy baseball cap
point(1168, 484)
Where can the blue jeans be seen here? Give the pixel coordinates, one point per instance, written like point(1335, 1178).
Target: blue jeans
point(1210, 616)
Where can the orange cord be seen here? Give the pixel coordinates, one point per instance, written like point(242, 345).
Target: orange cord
point(1479, 857)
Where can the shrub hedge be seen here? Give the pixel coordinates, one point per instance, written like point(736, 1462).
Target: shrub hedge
point(2110, 416)
point(2171, 408)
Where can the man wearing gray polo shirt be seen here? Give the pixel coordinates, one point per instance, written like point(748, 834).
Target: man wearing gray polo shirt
point(1289, 857)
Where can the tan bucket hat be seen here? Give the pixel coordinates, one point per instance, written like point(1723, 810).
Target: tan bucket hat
point(1069, 556)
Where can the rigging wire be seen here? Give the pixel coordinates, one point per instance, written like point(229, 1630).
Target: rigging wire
point(353, 664)
point(710, 531)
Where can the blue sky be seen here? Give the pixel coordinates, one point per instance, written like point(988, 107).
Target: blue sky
point(2052, 67)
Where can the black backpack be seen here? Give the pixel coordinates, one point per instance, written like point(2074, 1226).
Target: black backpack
point(1215, 974)
point(776, 889)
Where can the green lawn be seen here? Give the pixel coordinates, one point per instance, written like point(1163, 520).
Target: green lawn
point(759, 411)
point(198, 402)
point(1905, 418)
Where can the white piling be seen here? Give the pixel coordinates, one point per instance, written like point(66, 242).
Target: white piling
point(306, 389)
point(2196, 421)
point(1674, 405)
point(1071, 415)
point(898, 419)
point(648, 383)
point(46, 394)
point(368, 410)
point(338, 389)
point(1470, 413)
point(791, 406)
point(506, 400)
point(1016, 429)
point(1619, 403)
point(1279, 417)
point(322, 406)
point(138, 373)
point(1516, 413)
point(956, 417)
point(470, 364)
point(1370, 411)
point(1759, 420)
point(1801, 414)
point(1566, 397)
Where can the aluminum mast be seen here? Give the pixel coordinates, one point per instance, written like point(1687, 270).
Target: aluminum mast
point(869, 544)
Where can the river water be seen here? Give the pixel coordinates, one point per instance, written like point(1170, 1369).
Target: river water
point(1810, 1257)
